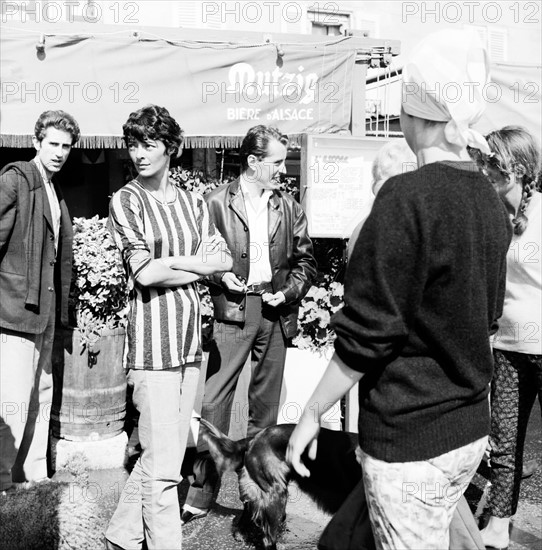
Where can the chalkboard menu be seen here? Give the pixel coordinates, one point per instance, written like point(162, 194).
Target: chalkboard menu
point(336, 182)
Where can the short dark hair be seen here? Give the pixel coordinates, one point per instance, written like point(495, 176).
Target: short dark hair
point(59, 120)
point(256, 142)
point(154, 122)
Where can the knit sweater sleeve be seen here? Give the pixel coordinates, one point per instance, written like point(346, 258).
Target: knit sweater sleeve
point(384, 280)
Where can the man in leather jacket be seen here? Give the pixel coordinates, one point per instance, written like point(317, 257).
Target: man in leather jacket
point(256, 303)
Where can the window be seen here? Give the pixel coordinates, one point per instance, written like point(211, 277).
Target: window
point(495, 40)
point(328, 22)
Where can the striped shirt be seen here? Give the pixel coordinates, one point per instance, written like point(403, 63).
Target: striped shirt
point(164, 323)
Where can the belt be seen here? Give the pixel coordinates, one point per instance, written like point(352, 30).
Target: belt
point(258, 289)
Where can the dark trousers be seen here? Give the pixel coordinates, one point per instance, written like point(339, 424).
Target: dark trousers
point(260, 336)
point(517, 379)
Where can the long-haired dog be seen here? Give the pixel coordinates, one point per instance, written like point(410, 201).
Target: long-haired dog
point(264, 473)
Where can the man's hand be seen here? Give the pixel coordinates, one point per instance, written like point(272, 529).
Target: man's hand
point(305, 435)
point(274, 299)
point(232, 283)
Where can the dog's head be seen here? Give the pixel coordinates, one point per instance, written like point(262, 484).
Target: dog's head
point(259, 463)
point(228, 455)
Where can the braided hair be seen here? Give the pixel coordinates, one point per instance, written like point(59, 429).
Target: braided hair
point(516, 152)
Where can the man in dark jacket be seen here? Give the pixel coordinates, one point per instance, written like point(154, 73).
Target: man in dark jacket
point(256, 303)
point(35, 274)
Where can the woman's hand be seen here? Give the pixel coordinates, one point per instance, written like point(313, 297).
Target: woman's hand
point(304, 436)
point(335, 382)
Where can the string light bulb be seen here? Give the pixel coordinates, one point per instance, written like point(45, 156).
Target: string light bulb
point(40, 46)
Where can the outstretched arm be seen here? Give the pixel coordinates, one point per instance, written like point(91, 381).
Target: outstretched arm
point(337, 380)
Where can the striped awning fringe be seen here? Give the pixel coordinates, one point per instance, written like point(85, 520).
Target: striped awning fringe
point(117, 142)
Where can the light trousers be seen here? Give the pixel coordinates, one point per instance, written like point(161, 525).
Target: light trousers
point(411, 504)
point(148, 507)
point(26, 395)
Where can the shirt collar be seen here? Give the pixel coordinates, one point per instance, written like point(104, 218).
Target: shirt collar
point(41, 170)
point(242, 185)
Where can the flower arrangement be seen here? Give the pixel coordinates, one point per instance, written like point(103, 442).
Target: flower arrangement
point(315, 312)
point(195, 180)
point(99, 294)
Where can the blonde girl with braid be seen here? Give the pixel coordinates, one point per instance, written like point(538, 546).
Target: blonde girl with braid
point(514, 170)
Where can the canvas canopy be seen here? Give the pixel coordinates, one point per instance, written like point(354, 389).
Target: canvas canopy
point(216, 90)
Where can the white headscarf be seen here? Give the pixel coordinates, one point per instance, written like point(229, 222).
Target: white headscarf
point(443, 80)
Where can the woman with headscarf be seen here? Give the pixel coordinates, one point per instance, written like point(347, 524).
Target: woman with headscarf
point(514, 169)
point(423, 290)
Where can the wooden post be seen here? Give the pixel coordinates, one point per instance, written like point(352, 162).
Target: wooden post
point(358, 99)
point(351, 404)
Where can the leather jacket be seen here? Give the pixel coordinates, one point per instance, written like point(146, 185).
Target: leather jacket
point(290, 252)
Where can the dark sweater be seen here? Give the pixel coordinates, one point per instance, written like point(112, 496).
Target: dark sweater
point(423, 291)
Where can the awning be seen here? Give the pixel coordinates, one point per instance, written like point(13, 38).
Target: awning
point(216, 90)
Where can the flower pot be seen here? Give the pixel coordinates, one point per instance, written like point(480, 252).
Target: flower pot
point(89, 386)
point(302, 372)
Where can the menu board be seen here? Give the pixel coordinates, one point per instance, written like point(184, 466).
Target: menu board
point(336, 182)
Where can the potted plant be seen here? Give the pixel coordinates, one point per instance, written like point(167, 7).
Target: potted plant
point(89, 399)
point(315, 311)
point(194, 180)
point(99, 296)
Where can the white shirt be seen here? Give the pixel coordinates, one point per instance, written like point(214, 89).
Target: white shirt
point(258, 253)
point(54, 205)
point(519, 326)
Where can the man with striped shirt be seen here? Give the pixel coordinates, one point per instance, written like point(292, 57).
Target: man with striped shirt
point(168, 242)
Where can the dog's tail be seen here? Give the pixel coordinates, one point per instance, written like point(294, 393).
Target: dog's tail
point(227, 454)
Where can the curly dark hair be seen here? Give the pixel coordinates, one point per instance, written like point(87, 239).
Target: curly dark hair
point(154, 122)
